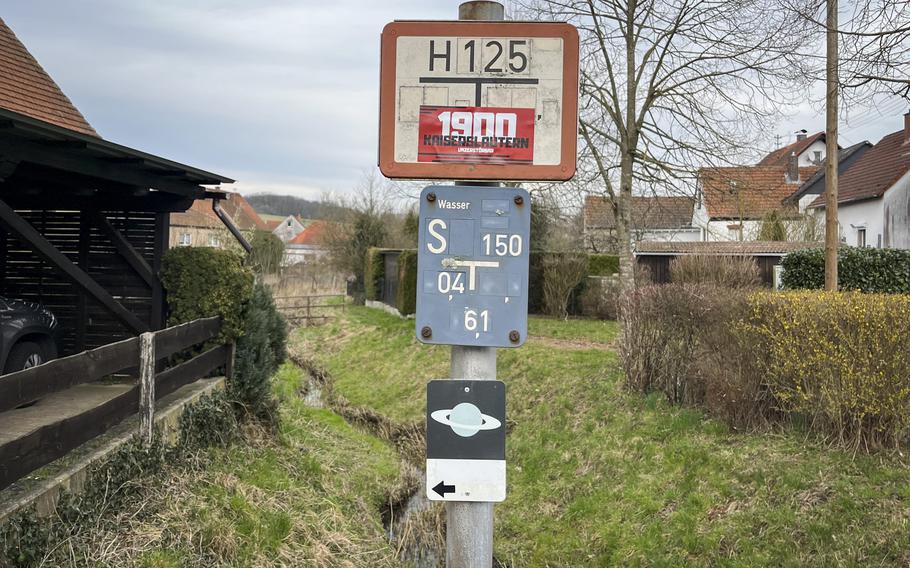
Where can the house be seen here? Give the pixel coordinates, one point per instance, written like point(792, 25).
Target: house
point(809, 151)
point(200, 226)
point(85, 220)
point(732, 202)
point(815, 185)
point(307, 247)
point(658, 218)
point(286, 228)
point(874, 195)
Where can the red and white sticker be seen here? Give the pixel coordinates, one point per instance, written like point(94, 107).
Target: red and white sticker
point(476, 135)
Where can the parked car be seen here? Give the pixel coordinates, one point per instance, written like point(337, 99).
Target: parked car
point(28, 335)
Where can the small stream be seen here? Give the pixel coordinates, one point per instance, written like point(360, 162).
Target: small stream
point(399, 522)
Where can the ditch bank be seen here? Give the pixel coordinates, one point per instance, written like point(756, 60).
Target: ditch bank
point(414, 526)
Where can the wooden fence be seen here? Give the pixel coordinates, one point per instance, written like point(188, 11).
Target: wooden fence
point(22, 455)
point(303, 310)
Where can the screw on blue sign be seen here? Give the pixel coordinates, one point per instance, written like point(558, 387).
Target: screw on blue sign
point(472, 266)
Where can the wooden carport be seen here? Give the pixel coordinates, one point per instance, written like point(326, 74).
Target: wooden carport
point(84, 226)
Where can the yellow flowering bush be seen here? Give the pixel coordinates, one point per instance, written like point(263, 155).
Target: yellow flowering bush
point(839, 359)
point(837, 362)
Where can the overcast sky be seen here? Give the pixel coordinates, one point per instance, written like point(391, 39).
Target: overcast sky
point(281, 95)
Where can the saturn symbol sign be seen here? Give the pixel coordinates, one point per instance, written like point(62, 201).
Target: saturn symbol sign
point(465, 419)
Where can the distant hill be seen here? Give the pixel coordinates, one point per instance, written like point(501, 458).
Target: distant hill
point(284, 205)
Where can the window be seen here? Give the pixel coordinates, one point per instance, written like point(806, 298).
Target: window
point(861, 237)
point(186, 240)
point(817, 156)
point(736, 232)
point(214, 241)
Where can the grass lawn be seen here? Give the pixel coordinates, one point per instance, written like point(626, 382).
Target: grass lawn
point(601, 477)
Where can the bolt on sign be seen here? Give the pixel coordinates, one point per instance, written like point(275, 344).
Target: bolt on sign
point(466, 440)
point(478, 100)
point(472, 266)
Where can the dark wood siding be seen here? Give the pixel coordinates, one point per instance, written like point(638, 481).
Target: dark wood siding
point(658, 267)
point(84, 323)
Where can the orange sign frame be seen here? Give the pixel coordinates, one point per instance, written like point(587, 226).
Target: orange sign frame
point(391, 168)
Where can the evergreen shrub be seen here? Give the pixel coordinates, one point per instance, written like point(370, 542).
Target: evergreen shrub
point(407, 282)
point(206, 282)
point(260, 351)
point(862, 269)
point(603, 264)
point(374, 272)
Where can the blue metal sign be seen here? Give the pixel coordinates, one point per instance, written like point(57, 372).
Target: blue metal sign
point(472, 266)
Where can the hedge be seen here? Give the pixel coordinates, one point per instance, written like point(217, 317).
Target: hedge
point(863, 269)
point(374, 272)
point(603, 264)
point(203, 282)
point(407, 282)
point(835, 363)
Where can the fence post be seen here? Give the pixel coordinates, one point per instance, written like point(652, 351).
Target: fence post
point(146, 387)
point(229, 363)
point(307, 324)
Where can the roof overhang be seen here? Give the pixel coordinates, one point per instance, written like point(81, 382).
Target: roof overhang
point(46, 149)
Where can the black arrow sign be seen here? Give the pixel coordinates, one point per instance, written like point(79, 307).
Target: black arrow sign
point(441, 488)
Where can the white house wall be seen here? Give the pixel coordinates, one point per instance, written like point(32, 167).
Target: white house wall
point(807, 158)
point(861, 214)
point(896, 214)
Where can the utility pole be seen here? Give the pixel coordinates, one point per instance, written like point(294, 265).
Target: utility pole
point(469, 526)
point(832, 229)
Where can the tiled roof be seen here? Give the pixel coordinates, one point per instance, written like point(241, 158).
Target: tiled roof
point(734, 248)
point(237, 208)
point(845, 159)
point(647, 212)
point(747, 192)
point(780, 156)
point(311, 235)
point(875, 171)
point(26, 88)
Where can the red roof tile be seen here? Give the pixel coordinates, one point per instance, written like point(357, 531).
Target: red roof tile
point(200, 214)
point(780, 156)
point(747, 192)
point(26, 88)
point(875, 171)
point(656, 212)
point(311, 235)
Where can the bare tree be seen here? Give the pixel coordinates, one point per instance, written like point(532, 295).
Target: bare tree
point(668, 86)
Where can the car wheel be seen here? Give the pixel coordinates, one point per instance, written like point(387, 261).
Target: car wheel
point(24, 355)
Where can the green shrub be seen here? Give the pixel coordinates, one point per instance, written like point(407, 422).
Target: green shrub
point(206, 282)
point(407, 282)
point(840, 360)
point(718, 270)
point(374, 273)
point(862, 269)
point(260, 351)
point(267, 254)
point(603, 264)
point(772, 228)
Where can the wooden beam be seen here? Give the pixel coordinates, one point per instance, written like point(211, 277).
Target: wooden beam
point(192, 370)
point(126, 250)
point(64, 199)
point(22, 230)
point(162, 236)
point(36, 153)
point(184, 336)
point(85, 243)
point(22, 456)
point(31, 384)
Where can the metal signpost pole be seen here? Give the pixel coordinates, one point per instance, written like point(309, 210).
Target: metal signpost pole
point(469, 526)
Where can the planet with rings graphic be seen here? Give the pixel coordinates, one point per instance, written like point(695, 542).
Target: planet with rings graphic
point(465, 419)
